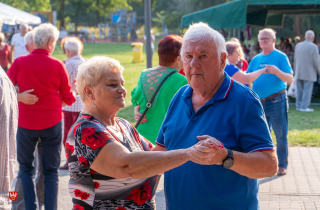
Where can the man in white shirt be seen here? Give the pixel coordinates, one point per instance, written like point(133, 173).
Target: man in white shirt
point(17, 43)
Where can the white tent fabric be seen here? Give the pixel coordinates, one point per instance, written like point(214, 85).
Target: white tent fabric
point(12, 16)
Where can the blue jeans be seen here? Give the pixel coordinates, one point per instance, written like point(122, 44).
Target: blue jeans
point(51, 147)
point(18, 204)
point(276, 110)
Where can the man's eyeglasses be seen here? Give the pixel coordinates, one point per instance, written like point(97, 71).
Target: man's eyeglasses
point(265, 39)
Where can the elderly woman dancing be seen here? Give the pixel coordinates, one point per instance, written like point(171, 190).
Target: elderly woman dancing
point(110, 164)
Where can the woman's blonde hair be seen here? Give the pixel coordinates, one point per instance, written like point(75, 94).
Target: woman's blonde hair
point(95, 68)
point(241, 56)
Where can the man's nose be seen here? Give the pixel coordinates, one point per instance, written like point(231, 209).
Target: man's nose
point(195, 62)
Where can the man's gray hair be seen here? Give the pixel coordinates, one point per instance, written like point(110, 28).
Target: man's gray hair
point(309, 34)
point(28, 38)
point(24, 25)
point(202, 31)
point(73, 45)
point(270, 31)
point(44, 33)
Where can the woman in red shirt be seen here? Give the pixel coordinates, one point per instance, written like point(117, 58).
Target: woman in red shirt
point(4, 53)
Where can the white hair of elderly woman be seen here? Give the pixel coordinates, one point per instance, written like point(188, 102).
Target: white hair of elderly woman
point(202, 31)
point(28, 38)
point(43, 34)
point(309, 34)
point(73, 45)
point(91, 71)
point(270, 31)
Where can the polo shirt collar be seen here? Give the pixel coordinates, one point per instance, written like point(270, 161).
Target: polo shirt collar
point(221, 93)
point(40, 51)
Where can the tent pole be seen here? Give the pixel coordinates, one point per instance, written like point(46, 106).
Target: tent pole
point(234, 32)
point(229, 34)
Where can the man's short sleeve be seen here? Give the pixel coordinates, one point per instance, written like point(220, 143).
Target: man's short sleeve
point(285, 65)
point(254, 133)
point(250, 67)
point(160, 138)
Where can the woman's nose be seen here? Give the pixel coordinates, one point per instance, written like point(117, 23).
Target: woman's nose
point(122, 89)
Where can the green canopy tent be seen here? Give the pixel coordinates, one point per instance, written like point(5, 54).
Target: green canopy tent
point(239, 13)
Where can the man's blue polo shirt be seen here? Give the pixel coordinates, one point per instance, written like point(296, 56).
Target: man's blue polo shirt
point(269, 84)
point(235, 117)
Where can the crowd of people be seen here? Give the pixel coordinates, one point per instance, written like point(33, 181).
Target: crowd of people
point(204, 104)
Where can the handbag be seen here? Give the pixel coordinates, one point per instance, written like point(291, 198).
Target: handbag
point(292, 88)
point(149, 104)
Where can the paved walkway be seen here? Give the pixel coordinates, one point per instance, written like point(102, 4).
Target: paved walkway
point(299, 189)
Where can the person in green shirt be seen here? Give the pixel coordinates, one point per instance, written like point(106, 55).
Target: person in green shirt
point(169, 61)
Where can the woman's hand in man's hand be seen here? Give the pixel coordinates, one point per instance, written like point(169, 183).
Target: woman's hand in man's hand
point(137, 115)
point(208, 151)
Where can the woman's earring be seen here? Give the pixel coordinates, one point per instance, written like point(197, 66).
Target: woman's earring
point(92, 104)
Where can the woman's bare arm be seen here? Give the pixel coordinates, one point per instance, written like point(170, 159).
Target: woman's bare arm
point(116, 161)
point(244, 78)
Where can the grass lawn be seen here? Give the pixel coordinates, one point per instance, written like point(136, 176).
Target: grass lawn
point(304, 128)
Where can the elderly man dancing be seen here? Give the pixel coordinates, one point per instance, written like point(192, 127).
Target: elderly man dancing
point(271, 88)
point(214, 108)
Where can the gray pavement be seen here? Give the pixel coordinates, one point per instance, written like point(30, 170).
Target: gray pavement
point(299, 189)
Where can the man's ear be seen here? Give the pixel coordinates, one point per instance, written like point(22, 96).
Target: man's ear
point(89, 92)
point(223, 58)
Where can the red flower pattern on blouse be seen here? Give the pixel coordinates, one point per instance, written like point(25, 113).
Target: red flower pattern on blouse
point(94, 139)
point(121, 208)
point(96, 185)
point(81, 195)
point(69, 150)
point(84, 196)
point(78, 207)
point(77, 192)
point(83, 161)
point(142, 194)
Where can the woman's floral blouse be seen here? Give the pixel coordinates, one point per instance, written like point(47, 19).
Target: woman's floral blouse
point(91, 190)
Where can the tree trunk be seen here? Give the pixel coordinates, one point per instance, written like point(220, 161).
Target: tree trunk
point(297, 25)
point(98, 13)
point(62, 23)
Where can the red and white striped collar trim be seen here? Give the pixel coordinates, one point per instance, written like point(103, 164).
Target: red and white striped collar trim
point(229, 88)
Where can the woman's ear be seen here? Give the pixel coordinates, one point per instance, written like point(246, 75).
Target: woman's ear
point(89, 92)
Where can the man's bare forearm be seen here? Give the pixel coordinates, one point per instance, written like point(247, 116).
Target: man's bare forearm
point(286, 77)
point(255, 165)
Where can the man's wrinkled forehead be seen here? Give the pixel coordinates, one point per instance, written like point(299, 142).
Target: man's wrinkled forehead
point(200, 46)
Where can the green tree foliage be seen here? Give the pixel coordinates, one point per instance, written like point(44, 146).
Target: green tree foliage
point(105, 7)
point(30, 5)
point(173, 10)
